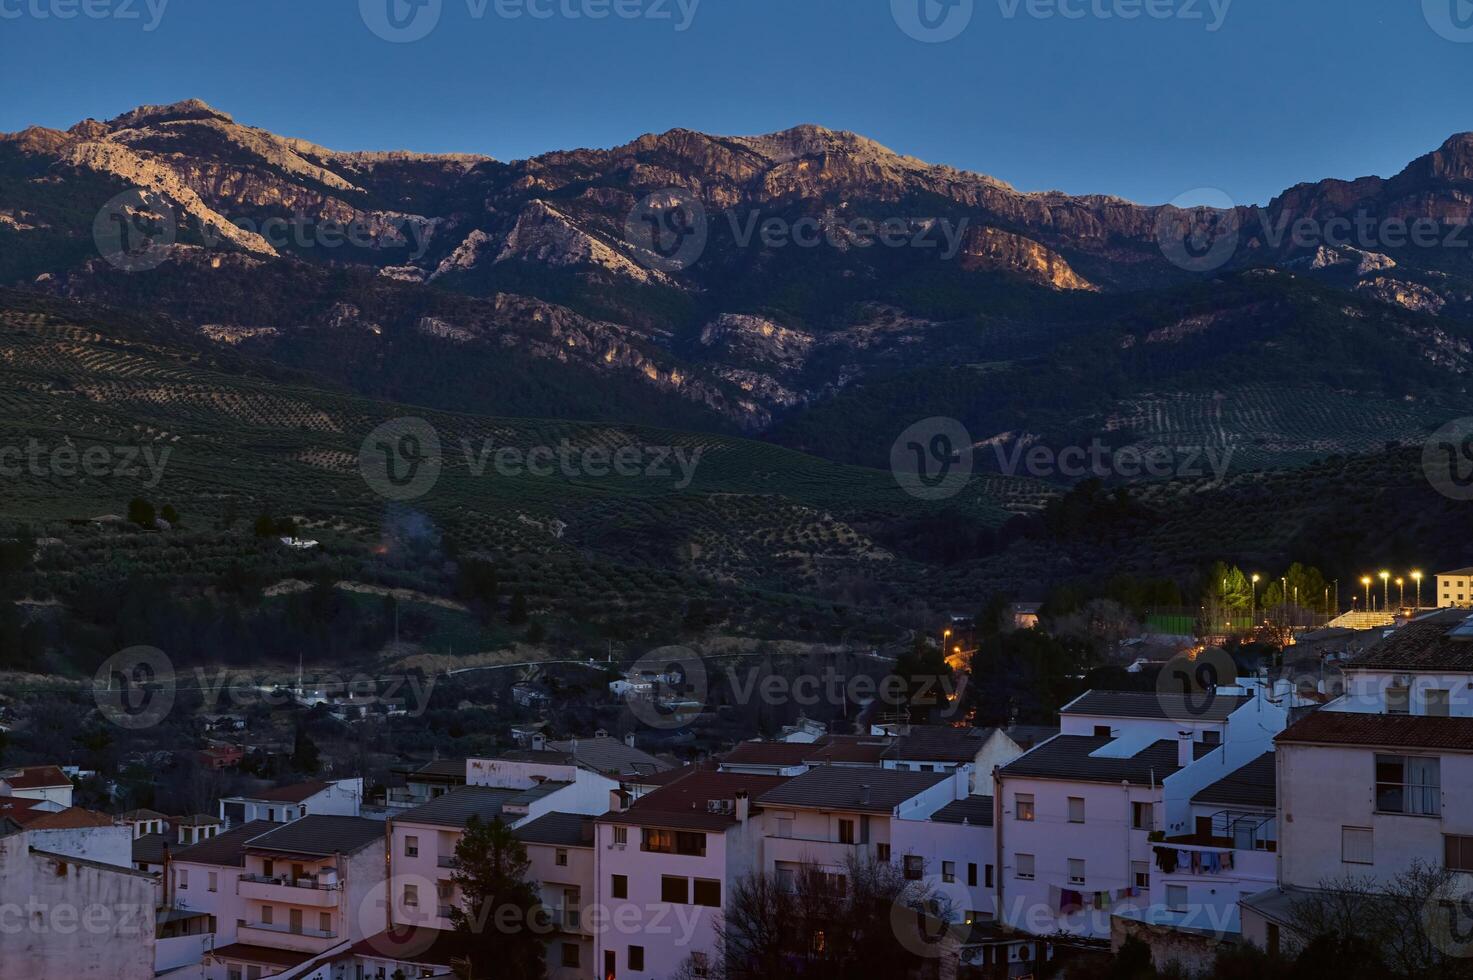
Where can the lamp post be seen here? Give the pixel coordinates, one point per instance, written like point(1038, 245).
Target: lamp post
point(1366, 581)
point(1417, 577)
point(1253, 603)
point(1401, 594)
point(1386, 583)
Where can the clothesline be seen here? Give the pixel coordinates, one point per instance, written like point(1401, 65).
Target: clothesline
point(1168, 859)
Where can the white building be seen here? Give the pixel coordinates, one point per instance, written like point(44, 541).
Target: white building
point(283, 804)
point(1380, 778)
point(1455, 589)
point(47, 783)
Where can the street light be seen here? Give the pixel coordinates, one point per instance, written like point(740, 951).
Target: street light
point(1366, 581)
point(1386, 581)
point(1253, 603)
point(1401, 595)
point(1417, 577)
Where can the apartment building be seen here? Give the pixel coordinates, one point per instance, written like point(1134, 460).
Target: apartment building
point(1381, 777)
point(1075, 815)
point(283, 804)
point(303, 889)
point(47, 783)
point(942, 748)
point(665, 868)
point(1455, 588)
point(563, 861)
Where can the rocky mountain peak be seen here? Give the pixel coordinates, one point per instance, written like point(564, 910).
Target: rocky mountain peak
point(174, 112)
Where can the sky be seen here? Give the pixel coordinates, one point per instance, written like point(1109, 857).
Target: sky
point(1245, 96)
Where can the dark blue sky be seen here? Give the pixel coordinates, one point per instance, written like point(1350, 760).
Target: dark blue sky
point(1282, 91)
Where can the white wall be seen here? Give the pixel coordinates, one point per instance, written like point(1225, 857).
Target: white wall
point(109, 845)
point(1365, 691)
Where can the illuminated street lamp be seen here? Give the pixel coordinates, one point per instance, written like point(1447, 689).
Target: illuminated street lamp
point(1386, 581)
point(1401, 595)
point(1417, 577)
point(1366, 581)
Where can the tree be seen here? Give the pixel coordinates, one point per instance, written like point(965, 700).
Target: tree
point(304, 752)
point(141, 512)
point(516, 615)
point(170, 514)
point(265, 527)
point(500, 917)
point(927, 678)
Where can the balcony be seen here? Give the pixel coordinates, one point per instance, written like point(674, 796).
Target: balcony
point(826, 853)
point(281, 936)
point(448, 861)
point(309, 892)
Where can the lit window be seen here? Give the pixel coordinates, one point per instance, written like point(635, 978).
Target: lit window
point(1023, 806)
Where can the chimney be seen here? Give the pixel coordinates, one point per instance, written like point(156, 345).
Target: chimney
point(864, 794)
point(962, 782)
point(743, 806)
point(1184, 754)
point(629, 740)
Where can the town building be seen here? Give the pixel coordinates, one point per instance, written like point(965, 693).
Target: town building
point(1455, 588)
point(47, 783)
point(283, 804)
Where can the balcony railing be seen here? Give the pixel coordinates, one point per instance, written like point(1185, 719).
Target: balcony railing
point(448, 861)
point(289, 882)
point(286, 929)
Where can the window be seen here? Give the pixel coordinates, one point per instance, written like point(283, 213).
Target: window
point(700, 966)
point(676, 891)
point(411, 847)
point(621, 836)
point(948, 872)
point(1176, 898)
point(1076, 871)
point(1356, 845)
point(561, 858)
point(411, 896)
point(213, 883)
point(1102, 731)
point(636, 957)
point(1409, 784)
point(268, 915)
point(267, 867)
point(707, 892)
point(570, 955)
point(882, 853)
point(1435, 701)
point(846, 831)
point(271, 813)
point(915, 867)
point(1212, 738)
point(183, 879)
point(674, 842)
point(1140, 874)
point(1458, 853)
point(324, 921)
point(1142, 816)
point(987, 883)
point(619, 886)
point(785, 827)
point(971, 876)
point(1023, 806)
point(1025, 866)
point(1076, 809)
point(1398, 700)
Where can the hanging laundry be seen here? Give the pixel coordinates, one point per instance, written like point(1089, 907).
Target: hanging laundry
point(1070, 901)
point(1193, 859)
point(1166, 858)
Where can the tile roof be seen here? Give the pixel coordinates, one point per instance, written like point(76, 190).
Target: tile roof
point(295, 793)
point(436, 769)
point(142, 814)
point(768, 754)
point(455, 808)
point(1252, 785)
point(843, 788)
point(19, 808)
point(1422, 644)
point(72, 818)
point(662, 778)
point(562, 829)
point(609, 756)
point(321, 835)
point(225, 850)
point(1392, 731)
point(149, 849)
point(974, 810)
point(685, 803)
point(1068, 757)
point(198, 820)
point(247, 953)
point(1150, 704)
point(938, 743)
point(1027, 736)
point(868, 750)
point(35, 777)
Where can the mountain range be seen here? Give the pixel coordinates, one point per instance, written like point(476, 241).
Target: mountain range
point(808, 287)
